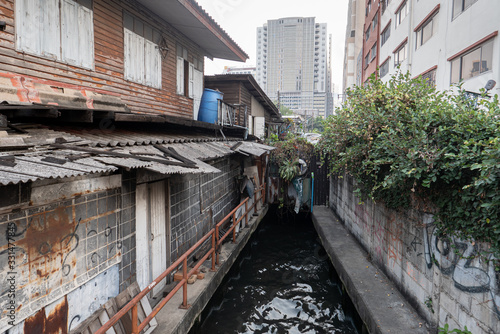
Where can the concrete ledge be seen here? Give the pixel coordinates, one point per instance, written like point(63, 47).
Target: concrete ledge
point(171, 319)
point(376, 298)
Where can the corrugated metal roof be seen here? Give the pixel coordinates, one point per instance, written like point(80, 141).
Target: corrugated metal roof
point(43, 153)
point(123, 137)
point(252, 148)
point(167, 170)
point(41, 165)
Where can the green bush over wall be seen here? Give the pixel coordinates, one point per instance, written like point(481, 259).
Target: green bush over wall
point(402, 140)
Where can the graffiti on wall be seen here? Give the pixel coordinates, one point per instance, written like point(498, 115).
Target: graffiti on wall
point(53, 249)
point(462, 261)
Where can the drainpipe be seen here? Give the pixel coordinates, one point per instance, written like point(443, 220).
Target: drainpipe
point(410, 37)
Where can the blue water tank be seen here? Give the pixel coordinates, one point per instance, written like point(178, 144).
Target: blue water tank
point(209, 105)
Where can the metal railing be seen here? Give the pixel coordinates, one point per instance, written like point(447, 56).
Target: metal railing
point(226, 113)
point(216, 243)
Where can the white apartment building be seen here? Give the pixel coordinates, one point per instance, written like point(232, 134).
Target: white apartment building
point(240, 70)
point(444, 41)
point(292, 62)
point(353, 43)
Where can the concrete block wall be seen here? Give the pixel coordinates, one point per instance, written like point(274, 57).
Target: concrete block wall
point(51, 249)
point(127, 227)
point(198, 202)
point(445, 287)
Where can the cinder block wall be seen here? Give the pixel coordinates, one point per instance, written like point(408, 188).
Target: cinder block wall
point(127, 225)
point(198, 202)
point(445, 279)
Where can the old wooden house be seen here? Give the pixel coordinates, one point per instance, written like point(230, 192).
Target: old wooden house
point(106, 176)
point(255, 110)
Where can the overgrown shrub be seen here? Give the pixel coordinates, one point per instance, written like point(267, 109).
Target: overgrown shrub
point(291, 149)
point(404, 137)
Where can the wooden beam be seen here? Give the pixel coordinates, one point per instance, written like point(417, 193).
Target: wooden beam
point(80, 116)
point(132, 117)
point(28, 111)
point(173, 154)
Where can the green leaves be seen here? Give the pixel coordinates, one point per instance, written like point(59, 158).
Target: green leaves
point(289, 169)
point(403, 137)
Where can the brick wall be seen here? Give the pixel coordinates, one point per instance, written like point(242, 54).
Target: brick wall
point(444, 278)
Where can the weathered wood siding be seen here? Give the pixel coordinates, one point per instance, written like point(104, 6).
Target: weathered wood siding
point(234, 93)
point(108, 73)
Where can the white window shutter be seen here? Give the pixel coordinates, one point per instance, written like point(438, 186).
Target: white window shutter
point(69, 32)
point(128, 45)
point(50, 29)
point(198, 92)
point(260, 127)
point(139, 59)
point(152, 65)
point(180, 75)
point(191, 80)
point(86, 37)
point(37, 27)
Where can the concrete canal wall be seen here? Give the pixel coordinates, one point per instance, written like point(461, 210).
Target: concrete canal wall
point(445, 280)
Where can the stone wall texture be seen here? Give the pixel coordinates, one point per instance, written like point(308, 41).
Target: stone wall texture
point(445, 279)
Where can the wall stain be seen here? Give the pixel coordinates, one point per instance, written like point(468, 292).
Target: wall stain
point(55, 323)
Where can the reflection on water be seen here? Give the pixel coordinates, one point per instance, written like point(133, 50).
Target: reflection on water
point(280, 284)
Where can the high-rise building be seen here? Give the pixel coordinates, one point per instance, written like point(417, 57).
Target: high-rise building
point(353, 43)
point(444, 41)
point(330, 88)
point(292, 62)
point(239, 70)
point(371, 36)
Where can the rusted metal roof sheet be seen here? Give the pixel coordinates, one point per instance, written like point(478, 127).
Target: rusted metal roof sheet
point(41, 153)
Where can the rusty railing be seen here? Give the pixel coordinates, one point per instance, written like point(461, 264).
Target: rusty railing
point(216, 242)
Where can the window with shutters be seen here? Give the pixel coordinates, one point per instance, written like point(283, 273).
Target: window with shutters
point(182, 68)
point(62, 30)
point(189, 74)
point(142, 56)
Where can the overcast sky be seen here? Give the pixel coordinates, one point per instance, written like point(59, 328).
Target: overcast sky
point(240, 19)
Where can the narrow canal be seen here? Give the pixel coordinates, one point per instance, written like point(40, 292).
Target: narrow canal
point(282, 282)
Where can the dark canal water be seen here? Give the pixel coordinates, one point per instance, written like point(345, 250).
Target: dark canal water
point(282, 282)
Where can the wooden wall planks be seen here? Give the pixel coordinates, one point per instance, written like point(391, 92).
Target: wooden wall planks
point(107, 75)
